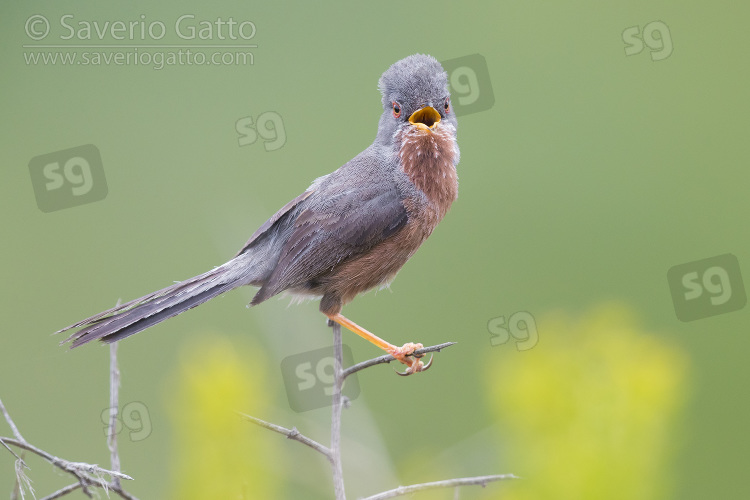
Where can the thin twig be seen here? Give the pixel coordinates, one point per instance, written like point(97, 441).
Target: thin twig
point(18, 435)
point(14, 453)
point(114, 408)
point(334, 453)
point(86, 474)
point(124, 494)
point(63, 491)
point(114, 404)
point(23, 482)
point(449, 483)
point(17, 485)
point(79, 469)
point(387, 358)
point(338, 384)
point(12, 425)
point(292, 434)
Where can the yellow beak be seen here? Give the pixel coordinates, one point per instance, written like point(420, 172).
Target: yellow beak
point(425, 119)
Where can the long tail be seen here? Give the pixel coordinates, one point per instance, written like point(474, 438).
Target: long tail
point(128, 319)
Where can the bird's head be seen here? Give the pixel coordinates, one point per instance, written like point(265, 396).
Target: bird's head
point(415, 99)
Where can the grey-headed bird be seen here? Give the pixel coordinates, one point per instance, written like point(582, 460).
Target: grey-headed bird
point(352, 230)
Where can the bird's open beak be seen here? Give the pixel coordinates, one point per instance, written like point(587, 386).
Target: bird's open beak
point(425, 119)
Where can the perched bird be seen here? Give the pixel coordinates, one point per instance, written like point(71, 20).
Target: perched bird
point(352, 230)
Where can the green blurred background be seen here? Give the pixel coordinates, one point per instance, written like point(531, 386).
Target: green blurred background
point(592, 175)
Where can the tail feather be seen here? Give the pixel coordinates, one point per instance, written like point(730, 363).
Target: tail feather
point(130, 318)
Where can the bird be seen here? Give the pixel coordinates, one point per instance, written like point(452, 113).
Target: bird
point(349, 232)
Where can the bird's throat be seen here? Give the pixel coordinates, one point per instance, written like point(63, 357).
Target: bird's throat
point(428, 159)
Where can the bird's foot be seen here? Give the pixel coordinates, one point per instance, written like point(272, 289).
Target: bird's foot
point(405, 354)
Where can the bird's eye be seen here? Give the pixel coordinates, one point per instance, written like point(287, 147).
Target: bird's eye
point(447, 105)
point(396, 109)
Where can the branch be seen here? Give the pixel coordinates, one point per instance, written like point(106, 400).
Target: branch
point(114, 408)
point(19, 459)
point(79, 469)
point(387, 358)
point(114, 404)
point(448, 483)
point(336, 407)
point(292, 434)
point(23, 483)
point(333, 454)
point(12, 425)
point(63, 491)
point(86, 474)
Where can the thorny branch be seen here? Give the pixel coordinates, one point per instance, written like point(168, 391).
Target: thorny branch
point(114, 404)
point(387, 358)
point(448, 483)
point(292, 433)
point(336, 408)
point(333, 454)
point(86, 475)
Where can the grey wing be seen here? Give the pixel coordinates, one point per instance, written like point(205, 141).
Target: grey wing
point(270, 222)
point(331, 231)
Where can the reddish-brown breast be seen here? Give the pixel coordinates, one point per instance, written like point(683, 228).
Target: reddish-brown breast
point(427, 158)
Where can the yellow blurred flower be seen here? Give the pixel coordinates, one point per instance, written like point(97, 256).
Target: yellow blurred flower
point(591, 412)
point(216, 454)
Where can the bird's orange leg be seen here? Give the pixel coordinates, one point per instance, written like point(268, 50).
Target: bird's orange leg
point(404, 354)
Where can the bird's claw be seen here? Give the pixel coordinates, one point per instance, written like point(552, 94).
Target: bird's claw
point(406, 355)
point(416, 366)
